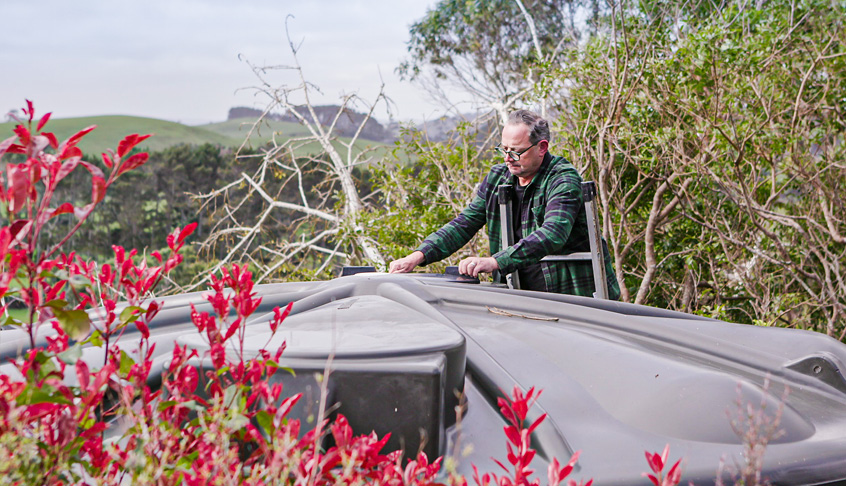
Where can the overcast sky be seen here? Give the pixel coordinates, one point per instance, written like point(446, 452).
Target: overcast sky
point(179, 59)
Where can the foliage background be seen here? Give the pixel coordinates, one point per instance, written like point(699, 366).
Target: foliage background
point(715, 133)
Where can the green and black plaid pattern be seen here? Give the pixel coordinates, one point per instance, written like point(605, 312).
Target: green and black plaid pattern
point(554, 222)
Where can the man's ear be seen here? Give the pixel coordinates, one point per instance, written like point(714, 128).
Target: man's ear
point(543, 147)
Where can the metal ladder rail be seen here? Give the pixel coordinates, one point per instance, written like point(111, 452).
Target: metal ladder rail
point(595, 256)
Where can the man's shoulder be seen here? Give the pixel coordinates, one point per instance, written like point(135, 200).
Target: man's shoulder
point(499, 171)
point(497, 175)
point(562, 170)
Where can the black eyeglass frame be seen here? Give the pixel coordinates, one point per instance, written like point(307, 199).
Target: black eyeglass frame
point(514, 155)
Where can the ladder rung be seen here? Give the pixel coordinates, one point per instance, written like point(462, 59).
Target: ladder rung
point(579, 256)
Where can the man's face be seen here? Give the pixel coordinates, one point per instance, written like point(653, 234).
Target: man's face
point(515, 138)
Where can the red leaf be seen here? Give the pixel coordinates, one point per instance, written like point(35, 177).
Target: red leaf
point(233, 328)
point(52, 137)
point(279, 316)
point(574, 459)
point(133, 162)
point(152, 310)
point(93, 169)
point(83, 212)
point(78, 135)
point(83, 374)
point(5, 239)
point(19, 185)
point(29, 110)
point(63, 209)
point(513, 435)
point(98, 189)
point(552, 473)
point(654, 461)
point(537, 422)
point(23, 134)
point(501, 465)
point(129, 142)
point(287, 405)
point(43, 121)
point(67, 167)
point(20, 229)
point(142, 327)
point(674, 476)
point(653, 479)
point(5, 144)
point(107, 160)
point(186, 232)
point(665, 455)
point(68, 151)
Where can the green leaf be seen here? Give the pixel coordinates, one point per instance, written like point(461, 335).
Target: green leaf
point(71, 355)
point(265, 421)
point(166, 405)
point(75, 323)
point(230, 394)
point(125, 362)
point(31, 395)
point(186, 462)
point(131, 314)
point(79, 282)
point(193, 405)
point(273, 364)
point(95, 339)
point(57, 304)
point(237, 422)
point(12, 321)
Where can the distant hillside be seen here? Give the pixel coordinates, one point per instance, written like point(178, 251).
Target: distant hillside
point(111, 129)
point(239, 128)
point(346, 125)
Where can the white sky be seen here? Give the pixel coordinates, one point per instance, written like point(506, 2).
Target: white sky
point(179, 59)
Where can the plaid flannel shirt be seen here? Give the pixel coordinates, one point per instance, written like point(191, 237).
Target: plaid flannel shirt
point(554, 222)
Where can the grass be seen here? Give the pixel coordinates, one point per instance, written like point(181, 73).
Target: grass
point(111, 129)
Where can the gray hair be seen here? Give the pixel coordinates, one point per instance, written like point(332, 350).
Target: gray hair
point(538, 127)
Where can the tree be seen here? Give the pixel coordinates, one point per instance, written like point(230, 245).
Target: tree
point(326, 220)
point(496, 51)
point(716, 136)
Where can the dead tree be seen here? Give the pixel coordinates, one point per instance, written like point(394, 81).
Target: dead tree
point(325, 223)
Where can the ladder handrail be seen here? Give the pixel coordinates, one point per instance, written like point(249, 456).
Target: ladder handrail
point(600, 278)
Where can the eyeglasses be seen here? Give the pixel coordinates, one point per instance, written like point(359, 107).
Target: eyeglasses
point(513, 154)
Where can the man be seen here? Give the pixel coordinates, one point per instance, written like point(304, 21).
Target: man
point(549, 212)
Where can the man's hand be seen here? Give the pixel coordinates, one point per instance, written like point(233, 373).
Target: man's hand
point(473, 266)
point(407, 264)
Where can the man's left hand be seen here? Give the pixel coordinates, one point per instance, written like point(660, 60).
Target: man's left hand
point(473, 266)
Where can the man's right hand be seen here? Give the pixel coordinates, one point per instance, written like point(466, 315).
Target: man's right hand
point(407, 264)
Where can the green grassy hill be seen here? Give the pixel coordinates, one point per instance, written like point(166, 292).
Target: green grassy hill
point(264, 132)
point(111, 129)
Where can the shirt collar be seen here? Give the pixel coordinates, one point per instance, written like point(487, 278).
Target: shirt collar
point(547, 159)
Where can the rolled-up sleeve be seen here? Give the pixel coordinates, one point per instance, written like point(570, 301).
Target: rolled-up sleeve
point(455, 234)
